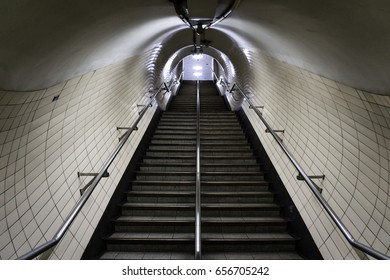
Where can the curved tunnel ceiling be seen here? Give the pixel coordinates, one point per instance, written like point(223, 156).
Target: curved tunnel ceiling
point(44, 42)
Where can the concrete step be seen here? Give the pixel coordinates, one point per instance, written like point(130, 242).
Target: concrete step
point(237, 197)
point(174, 137)
point(169, 146)
point(228, 159)
point(159, 210)
point(172, 159)
point(232, 176)
point(163, 185)
point(169, 153)
point(151, 242)
point(166, 176)
point(161, 197)
point(259, 242)
point(227, 167)
point(180, 142)
point(240, 210)
point(153, 224)
point(238, 186)
point(218, 255)
point(175, 132)
point(166, 255)
point(242, 225)
point(233, 152)
point(168, 167)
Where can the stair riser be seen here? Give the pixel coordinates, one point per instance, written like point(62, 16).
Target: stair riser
point(163, 188)
point(237, 154)
point(226, 246)
point(239, 212)
point(233, 177)
point(171, 160)
point(168, 168)
point(154, 199)
point(174, 148)
point(166, 177)
point(170, 153)
point(175, 132)
point(222, 160)
point(191, 177)
point(173, 142)
point(144, 246)
point(159, 212)
point(223, 142)
point(216, 132)
point(222, 137)
point(177, 121)
point(155, 228)
point(233, 188)
point(225, 147)
point(237, 199)
point(242, 228)
point(174, 137)
point(229, 168)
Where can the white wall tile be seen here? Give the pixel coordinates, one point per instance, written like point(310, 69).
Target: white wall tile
point(335, 130)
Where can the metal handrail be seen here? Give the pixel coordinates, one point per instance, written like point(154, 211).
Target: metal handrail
point(198, 237)
point(366, 249)
point(223, 81)
point(93, 183)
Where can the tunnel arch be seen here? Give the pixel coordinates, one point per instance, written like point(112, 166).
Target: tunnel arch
point(232, 58)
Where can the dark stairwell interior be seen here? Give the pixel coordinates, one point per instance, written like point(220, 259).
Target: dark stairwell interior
point(246, 213)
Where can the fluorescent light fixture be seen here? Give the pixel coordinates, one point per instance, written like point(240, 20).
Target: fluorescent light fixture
point(197, 67)
point(198, 74)
point(197, 56)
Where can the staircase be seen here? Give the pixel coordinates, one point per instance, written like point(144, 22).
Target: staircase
point(239, 217)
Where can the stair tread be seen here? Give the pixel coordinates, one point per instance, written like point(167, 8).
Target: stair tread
point(171, 255)
point(239, 205)
point(162, 236)
point(204, 205)
point(215, 237)
point(236, 193)
point(159, 205)
point(180, 182)
point(166, 172)
point(289, 255)
point(233, 172)
point(235, 182)
point(202, 172)
point(162, 193)
point(188, 182)
point(181, 219)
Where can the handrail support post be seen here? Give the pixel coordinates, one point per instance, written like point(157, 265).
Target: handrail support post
point(105, 174)
point(274, 130)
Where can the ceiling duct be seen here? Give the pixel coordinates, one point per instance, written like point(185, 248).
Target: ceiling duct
point(202, 10)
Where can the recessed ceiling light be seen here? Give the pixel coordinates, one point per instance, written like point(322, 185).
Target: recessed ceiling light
point(197, 74)
point(197, 56)
point(197, 67)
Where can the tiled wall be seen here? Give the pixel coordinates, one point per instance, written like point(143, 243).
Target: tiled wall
point(330, 129)
point(44, 142)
